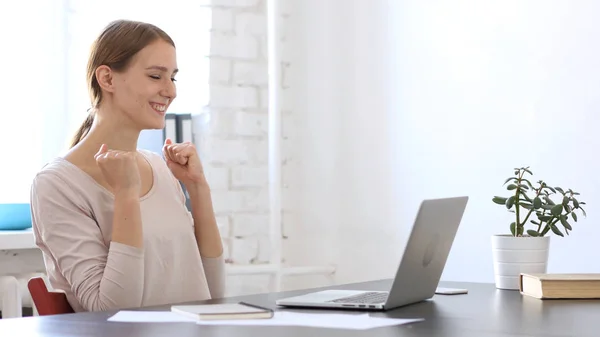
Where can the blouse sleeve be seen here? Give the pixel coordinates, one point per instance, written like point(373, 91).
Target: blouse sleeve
point(214, 268)
point(101, 277)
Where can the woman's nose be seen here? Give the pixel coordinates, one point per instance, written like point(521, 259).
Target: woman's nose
point(169, 90)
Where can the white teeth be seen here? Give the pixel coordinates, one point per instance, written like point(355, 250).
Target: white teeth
point(159, 107)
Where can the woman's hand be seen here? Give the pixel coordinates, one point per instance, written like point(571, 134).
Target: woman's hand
point(120, 170)
point(184, 162)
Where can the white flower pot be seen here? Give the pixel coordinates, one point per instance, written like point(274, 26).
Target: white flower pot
point(515, 255)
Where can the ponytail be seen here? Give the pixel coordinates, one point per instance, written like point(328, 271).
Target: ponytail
point(84, 128)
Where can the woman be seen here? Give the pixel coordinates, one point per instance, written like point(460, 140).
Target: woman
point(111, 220)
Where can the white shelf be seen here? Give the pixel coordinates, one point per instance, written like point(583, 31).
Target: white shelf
point(22, 239)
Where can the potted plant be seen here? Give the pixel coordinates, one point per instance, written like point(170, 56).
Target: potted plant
point(539, 210)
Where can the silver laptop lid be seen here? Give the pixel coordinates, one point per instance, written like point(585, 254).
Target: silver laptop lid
point(427, 250)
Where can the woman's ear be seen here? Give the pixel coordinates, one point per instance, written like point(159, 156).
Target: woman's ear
point(104, 76)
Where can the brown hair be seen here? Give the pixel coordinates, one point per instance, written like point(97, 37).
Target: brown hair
point(115, 47)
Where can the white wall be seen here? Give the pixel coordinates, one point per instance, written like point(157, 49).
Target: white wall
point(403, 101)
point(32, 95)
point(342, 92)
point(485, 87)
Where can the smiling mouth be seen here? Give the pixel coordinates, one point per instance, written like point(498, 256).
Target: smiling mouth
point(159, 108)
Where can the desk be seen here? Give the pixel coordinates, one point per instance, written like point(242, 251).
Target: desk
point(484, 312)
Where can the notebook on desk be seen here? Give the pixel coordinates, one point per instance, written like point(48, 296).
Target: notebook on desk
point(239, 310)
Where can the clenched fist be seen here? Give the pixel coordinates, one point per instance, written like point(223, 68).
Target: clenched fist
point(120, 169)
point(184, 163)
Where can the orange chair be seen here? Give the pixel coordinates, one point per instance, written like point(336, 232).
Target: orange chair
point(47, 302)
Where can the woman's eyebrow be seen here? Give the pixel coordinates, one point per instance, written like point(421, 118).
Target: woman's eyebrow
point(161, 68)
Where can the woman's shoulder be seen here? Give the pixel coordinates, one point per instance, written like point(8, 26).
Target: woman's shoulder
point(156, 160)
point(57, 169)
point(61, 177)
point(150, 155)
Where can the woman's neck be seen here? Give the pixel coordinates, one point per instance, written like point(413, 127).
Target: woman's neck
point(116, 134)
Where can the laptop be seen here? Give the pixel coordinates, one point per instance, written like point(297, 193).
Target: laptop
point(420, 268)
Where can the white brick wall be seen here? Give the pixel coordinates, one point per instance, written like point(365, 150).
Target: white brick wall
point(234, 145)
point(240, 96)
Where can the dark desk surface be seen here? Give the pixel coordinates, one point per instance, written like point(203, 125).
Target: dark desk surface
point(484, 312)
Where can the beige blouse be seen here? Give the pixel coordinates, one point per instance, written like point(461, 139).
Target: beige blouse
point(72, 224)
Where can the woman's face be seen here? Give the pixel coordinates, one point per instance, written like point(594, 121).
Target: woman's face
point(146, 89)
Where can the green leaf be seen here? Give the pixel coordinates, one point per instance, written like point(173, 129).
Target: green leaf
point(535, 222)
point(526, 205)
point(512, 228)
point(528, 170)
point(531, 232)
point(556, 210)
point(526, 197)
point(560, 190)
point(510, 202)
point(545, 230)
point(583, 211)
point(556, 231)
point(537, 202)
point(511, 187)
point(548, 200)
point(544, 218)
point(565, 201)
point(499, 200)
point(575, 203)
point(563, 221)
point(509, 179)
point(574, 216)
point(547, 207)
point(551, 189)
point(520, 230)
point(523, 186)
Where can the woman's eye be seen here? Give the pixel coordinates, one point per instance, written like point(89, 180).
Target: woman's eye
point(173, 79)
point(156, 77)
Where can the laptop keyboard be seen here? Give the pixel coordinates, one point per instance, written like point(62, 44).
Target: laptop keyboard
point(364, 298)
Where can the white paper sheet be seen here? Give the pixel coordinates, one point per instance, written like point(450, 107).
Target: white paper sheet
point(149, 317)
point(334, 321)
point(281, 318)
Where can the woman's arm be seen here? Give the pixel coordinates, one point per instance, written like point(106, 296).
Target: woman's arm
point(101, 277)
point(184, 163)
point(205, 223)
point(208, 238)
point(127, 219)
